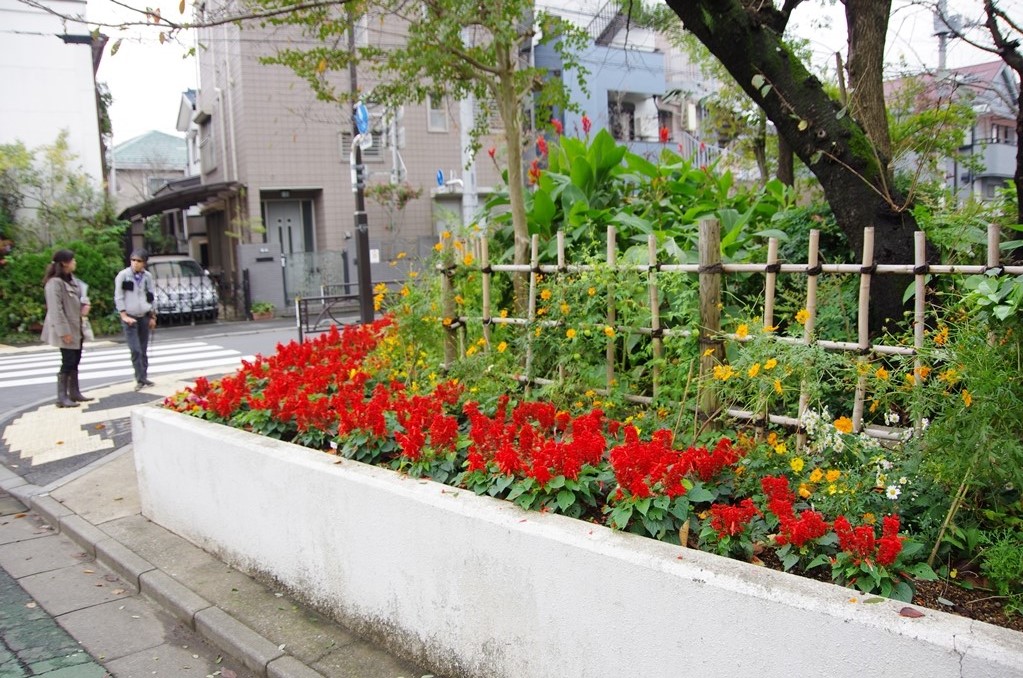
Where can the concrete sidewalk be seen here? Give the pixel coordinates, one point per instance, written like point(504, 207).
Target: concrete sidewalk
point(86, 555)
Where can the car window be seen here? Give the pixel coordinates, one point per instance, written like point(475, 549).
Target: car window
point(190, 268)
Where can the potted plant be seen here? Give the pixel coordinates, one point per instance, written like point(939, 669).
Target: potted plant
point(262, 310)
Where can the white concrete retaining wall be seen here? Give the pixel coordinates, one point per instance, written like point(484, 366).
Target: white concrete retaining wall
point(477, 587)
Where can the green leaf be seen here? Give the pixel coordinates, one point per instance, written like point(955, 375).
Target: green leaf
point(643, 505)
point(565, 499)
point(758, 81)
point(620, 516)
point(543, 209)
point(699, 494)
point(789, 561)
point(923, 572)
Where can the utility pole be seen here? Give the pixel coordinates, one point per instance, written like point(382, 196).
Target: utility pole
point(360, 126)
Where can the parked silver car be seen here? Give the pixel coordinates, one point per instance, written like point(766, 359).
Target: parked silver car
point(184, 291)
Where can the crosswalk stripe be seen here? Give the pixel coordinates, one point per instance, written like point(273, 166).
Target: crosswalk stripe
point(116, 362)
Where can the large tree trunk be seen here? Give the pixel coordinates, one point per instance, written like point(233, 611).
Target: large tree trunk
point(853, 173)
point(786, 166)
point(868, 24)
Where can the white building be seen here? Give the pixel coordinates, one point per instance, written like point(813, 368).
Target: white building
point(48, 70)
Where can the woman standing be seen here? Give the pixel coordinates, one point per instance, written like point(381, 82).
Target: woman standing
point(63, 324)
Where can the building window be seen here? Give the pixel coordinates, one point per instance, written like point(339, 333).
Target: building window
point(1001, 134)
point(437, 115)
point(374, 153)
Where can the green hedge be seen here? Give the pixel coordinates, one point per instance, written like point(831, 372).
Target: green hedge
point(21, 286)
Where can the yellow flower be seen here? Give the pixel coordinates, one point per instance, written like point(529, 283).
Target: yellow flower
point(833, 475)
point(470, 351)
point(405, 291)
point(482, 341)
point(503, 313)
point(459, 246)
point(832, 489)
point(802, 316)
point(754, 370)
point(468, 259)
point(772, 438)
point(881, 374)
point(722, 372)
point(708, 352)
point(781, 448)
point(438, 247)
point(873, 406)
point(564, 308)
point(591, 291)
point(816, 475)
point(413, 274)
point(570, 333)
point(869, 518)
point(609, 331)
point(400, 255)
point(541, 311)
point(796, 464)
point(537, 332)
point(777, 386)
point(446, 322)
point(742, 331)
point(949, 376)
point(804, 490)
point(459, 300)
point(844, 424)
point(967, 398)
point(380, 288)
point(590, 393)
point(923, 372)
point(545, 295)
point(445, 235)
point(770, 364)
point(941, 338)
point(502, 347)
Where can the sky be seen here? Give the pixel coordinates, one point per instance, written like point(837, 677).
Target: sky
point(146, 78)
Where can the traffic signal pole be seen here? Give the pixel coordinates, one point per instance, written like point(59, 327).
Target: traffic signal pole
point(360, 126)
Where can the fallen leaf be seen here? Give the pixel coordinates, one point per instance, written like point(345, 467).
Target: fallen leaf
point(874, 601)
point(59, 442)
point(99, 427)
point(30, 606)
point(228, 673)
point(117, 592)
point(110, 577)
point(910, 612)
point(854, 600)
point(89, 571)
point(945, 601)
point(20, 515)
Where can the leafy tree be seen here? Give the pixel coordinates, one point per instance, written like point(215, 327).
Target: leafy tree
point(448, 48)
point(46, 195)
point(847, 153)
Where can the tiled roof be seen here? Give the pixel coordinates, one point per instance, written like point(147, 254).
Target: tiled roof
point(152, 150)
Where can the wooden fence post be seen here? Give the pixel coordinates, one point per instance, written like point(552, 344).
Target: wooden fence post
point(561, 270)
point(812, 271)
point(447, 297)
point(863, 317)
point(919, 306)
point(612, 262)
point(655, 315)
point(770, 281)
point(534, 264)
point(485, 282)
point(711, 346)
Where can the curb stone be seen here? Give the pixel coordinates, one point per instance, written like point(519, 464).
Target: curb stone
point(216, 626)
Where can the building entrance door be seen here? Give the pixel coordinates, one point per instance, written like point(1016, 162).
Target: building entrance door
point(284, 225)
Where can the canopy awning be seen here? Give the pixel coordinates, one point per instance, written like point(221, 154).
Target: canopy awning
point(180, 198)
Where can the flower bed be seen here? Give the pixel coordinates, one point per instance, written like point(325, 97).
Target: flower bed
point(474, 586)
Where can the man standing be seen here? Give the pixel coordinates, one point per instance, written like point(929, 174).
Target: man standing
point(133, 299)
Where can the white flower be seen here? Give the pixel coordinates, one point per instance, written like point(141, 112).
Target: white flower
point(885, 464)
point(903, 480)
point(891, 418)
point(893, 492)
point(924, 423)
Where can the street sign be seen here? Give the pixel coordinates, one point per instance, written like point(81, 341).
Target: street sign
point(361, 118)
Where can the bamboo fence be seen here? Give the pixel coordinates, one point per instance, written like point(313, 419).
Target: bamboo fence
point(710, 271)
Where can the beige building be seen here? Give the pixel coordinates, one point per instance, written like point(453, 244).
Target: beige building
point(143, 165)
point(273, 166)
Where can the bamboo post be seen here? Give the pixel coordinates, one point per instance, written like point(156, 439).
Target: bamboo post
point(812, 271)
point(863, 324)
point(655, 314)
point(612, 262)
point(561, 268)
point(711, 346)
point(447, 296)
point(770, 282)
point(485, 273)
point(919, 306)
point(993, 262)
point(534, 263)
